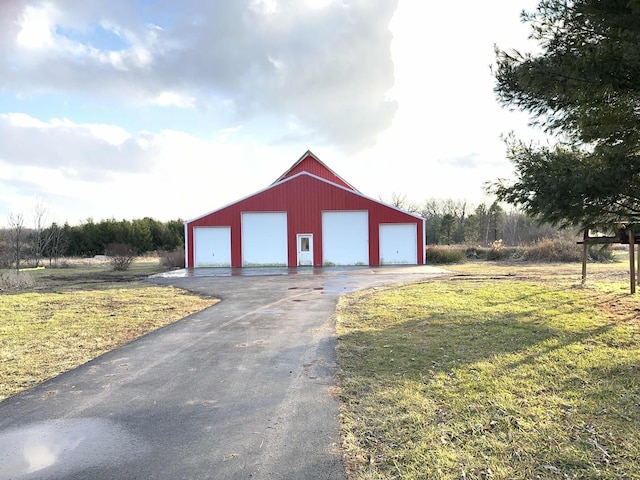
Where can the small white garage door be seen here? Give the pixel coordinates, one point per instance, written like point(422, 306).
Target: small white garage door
point(398, 243)
point(345, 238)
point(212, 246)
point(264, 239)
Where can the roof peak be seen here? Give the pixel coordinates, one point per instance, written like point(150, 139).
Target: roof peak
point(310, 163)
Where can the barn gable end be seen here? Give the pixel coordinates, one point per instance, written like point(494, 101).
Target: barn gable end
point(305, 218)
point(311, 164)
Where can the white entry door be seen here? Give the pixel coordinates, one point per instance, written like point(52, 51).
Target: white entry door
point(305, 249)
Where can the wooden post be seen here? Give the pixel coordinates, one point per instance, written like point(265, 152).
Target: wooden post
point(632, 263)
point(585, 248)
point(584, 262)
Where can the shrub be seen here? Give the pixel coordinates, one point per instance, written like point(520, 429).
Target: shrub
point(121, 255)
point(15, 281)
point(173, 259)
point(498, 252)
point(64, 263)
point(5, 255)
point(476, 253)
point(553, 250)
point(601, 253)
point(441, 255)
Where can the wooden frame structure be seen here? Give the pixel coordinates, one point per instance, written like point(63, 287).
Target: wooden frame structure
point(622, 236)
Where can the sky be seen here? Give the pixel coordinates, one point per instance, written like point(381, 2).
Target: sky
point(156, 108)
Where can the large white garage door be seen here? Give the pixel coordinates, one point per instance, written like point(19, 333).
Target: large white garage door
point(345, 238)
point(212, 246)
point(264, 239)
point(398, 243)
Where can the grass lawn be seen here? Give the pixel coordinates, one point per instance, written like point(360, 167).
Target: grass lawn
point(73, 315)
point(495, 372)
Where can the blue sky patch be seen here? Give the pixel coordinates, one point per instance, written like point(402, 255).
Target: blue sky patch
point(97, 37)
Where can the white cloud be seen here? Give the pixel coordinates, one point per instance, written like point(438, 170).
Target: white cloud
point(91, 150)
point(22, 120)
point(102, 171)
point(328, 63)
point(166, 99)
point(318, 4)
point(132, 109)
point(111, 134)
point(16, 122)
point(36, 26)
point(266, 8)
point(44, 30)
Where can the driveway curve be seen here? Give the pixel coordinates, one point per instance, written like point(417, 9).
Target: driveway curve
point(240, 390)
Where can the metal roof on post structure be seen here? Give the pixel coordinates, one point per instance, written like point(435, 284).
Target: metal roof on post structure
point(622, 236)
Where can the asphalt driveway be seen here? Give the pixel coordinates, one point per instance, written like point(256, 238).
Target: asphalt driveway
point(241, 390)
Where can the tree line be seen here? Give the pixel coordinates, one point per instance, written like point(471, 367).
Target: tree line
point(451, 221)
point(39, 244)
point(145, 235)
point(448, 221)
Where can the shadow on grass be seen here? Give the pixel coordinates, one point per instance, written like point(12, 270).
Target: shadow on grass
point(530, 382)
point(415, 347)
point(483, 326)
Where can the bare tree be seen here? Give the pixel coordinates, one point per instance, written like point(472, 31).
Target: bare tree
point(16, 229)
point(440, 207)
point(57, 242)
point(446, 218)
point(399, 200)
point(40, 237)
point(121, 255)
point(513, 223)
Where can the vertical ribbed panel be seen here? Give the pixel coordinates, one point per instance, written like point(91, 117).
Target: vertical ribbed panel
point(311, 165)
point(304, 198)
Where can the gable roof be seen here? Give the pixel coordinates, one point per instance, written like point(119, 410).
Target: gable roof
point(311, 164)
point(299, 175)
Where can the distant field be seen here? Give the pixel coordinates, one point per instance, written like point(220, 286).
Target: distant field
point(74, 314)
point(496, 372)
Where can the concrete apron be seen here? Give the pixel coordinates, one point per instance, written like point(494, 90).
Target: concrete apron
point(242, 389)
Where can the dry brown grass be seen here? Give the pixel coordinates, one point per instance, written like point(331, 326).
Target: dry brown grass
point(73, 315)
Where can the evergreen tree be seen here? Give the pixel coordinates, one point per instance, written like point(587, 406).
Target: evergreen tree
point(584, 88)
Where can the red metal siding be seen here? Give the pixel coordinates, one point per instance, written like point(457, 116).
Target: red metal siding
point(304, 198)
point(311, 165)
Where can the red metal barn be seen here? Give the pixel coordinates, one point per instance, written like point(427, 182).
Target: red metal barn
point(308, 216)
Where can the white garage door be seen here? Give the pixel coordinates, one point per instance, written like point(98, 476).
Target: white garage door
point(264, 239)
point(345, 238)
point(212, 246)
point(398, 243)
